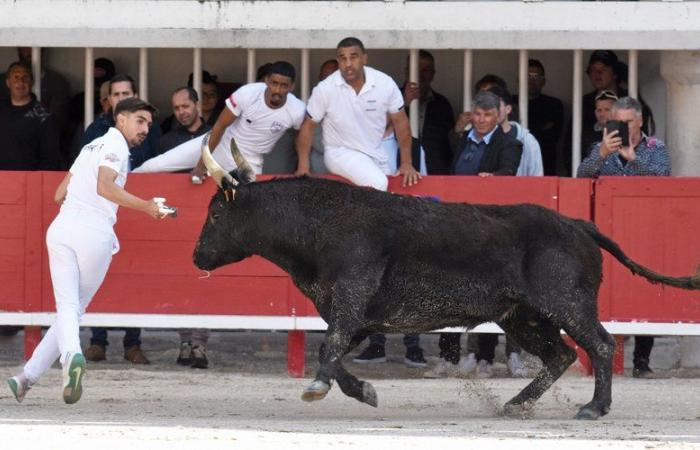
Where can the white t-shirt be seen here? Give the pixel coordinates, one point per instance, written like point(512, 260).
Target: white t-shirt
point(258, 127)
point(109, 150)
point(352, 120)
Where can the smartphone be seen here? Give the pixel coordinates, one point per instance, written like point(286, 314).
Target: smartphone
point(622, 130)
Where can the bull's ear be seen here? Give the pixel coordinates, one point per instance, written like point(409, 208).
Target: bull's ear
point(229, 189)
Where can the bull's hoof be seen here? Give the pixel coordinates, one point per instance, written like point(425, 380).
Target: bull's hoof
point(518, 410)
point(369, 395)
point(591, 412)
point(316, 391)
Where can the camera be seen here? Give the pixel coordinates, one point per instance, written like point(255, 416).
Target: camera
point(622, 130)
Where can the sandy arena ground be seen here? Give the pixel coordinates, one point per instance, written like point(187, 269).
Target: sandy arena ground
point(246, 400)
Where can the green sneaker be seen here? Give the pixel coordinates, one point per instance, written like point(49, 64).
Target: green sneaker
point(73, 372)
point(18, 388)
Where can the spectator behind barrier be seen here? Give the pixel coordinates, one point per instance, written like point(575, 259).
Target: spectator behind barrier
point(189, 124)
point(604, 102)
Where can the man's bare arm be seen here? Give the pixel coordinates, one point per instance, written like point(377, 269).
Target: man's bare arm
point(107, 188)
point(225, 119)
point(62, 189)
point(402, 128)
point(303, 144)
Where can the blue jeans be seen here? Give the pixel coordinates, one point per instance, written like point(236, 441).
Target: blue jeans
point(132, 336)
point(409, 340)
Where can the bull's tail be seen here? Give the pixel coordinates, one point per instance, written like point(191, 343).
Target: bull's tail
point(691, 283)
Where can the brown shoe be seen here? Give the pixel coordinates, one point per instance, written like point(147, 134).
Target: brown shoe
point(95, 353)
point(135, 355)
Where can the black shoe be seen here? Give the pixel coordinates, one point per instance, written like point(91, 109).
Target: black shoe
point(642, 370)
point(199, 357)
point(414, 357)
point(185, 356)
point(374, 353)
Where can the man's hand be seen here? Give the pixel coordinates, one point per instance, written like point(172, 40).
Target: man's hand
point(410, 92)
point(153, 209)
point(198, 173)
point(611, 143)
point(628, 153)
point(303, 168)
point(462, 121)
point(410, 175)
point(485, 174)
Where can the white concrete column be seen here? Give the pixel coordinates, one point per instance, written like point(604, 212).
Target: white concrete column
point(467, 80)
point(414, 116)
point(577, 113)
point(36, 72)
point(89, 86)
point(143, 74)
point(681, 71)
point(197, 73)
point(305, 75)
point(633, 74)
point(250, 66)
point(522, 87)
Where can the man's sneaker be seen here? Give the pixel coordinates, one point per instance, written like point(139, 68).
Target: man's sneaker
point(95, 352)
point(199, 357)
point(374, 353)
point(442, 369)
point(642, 370)
point(135, 355)
point(73, 372)
point(466, 366)
point(19, 386)
point(185, 356)
point(414, 357)
point(516, 367)
point(484, 369)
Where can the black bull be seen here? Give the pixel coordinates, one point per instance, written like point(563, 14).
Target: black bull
point(378, 262)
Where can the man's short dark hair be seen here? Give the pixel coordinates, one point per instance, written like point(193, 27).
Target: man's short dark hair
point(490, 79)
point(21, 64)
point(501, 93)
point(351, 42)
point(190, 92)
point(133, 104)
point(425, 54)
point(263, 71)
point(282, 68)
point(486, 100)
point(536, 63)
point(121, 77)
point(207, 78)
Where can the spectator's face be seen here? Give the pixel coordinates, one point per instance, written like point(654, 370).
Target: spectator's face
point(535, 81)
point(19, 82)
point(503, 112)
point(634, 122)
point(184, 109)
point(484, 120)
point(209, 97)
point(602, 76)
point(327, 69)
point(603, 109)
point(134, 126)
point(278, 86)
point(119, 91)
point(351, 62)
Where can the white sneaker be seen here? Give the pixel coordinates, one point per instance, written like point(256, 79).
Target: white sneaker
point(467, 365)
point(484, 369)
point(19, 386)
point(73, 372)
point(442, 369)
point(516, 366)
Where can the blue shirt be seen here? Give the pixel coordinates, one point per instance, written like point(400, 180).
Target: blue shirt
point(652, 159)
point(472, 152)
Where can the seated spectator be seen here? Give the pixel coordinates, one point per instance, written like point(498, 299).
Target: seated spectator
point(30, 139)
point(189, 124)
point(545, 116)
point(436, 116)
point(603, 107)
point(485, 150)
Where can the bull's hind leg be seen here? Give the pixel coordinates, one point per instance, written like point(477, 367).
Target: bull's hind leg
point(541, 338)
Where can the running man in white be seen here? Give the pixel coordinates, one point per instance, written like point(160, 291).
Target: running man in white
point(256, 116)
point(81, 242)
point(353, 104)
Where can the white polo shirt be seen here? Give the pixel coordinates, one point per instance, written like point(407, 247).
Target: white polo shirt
point(352, 120)
point(257, 126)
point(110, 150)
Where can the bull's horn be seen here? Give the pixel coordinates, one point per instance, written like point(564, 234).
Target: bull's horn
point(216, 171)
point(242, 164)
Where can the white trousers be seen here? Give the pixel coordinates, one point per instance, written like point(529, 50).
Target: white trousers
point(80, 246)
point(358, 167)
point(186, 155)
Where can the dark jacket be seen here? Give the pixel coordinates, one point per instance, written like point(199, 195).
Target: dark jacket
point(138, 155)
point(434, 137)
point(501, 157)
point(29, 137)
